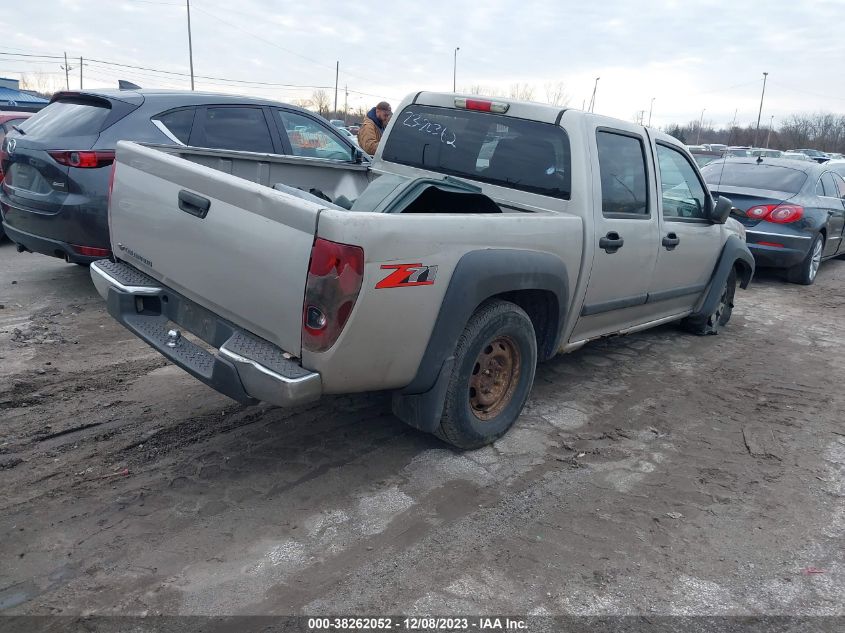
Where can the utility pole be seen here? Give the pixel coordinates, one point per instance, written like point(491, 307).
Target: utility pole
point(455, 71)
point(700, 122)
point(67, 70)
point(769, 137)
point(80, 73)
point(759, 114)
point(593, 98)
point(336, 76)
point(190, 44)
point(346, 104)
point(650, 109)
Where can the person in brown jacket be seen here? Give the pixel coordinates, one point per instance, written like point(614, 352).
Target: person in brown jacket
point(373, 127)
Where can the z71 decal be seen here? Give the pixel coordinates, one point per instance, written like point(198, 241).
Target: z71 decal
point(405, 275)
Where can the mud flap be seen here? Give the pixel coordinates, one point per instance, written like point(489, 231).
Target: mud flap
point(734, 251)
point(424, 410)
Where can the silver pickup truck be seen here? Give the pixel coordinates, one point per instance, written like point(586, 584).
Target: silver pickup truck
point(486, 236)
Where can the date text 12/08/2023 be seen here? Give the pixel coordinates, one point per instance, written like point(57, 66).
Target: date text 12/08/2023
point(429, 623)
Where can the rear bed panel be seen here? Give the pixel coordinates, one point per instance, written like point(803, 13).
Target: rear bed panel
point(389, 328)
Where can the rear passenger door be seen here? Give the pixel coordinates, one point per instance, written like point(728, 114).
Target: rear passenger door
point(238, 128)
point(689, 243)
point(624, 214)
point(832, 203)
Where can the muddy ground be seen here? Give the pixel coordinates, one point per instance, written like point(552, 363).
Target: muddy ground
point(658, 473)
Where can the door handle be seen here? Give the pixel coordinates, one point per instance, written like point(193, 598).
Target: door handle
point(671, 241)
point(193, 204)
point(611, 242)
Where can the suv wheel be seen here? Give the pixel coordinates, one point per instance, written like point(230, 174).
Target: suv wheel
point(495, 361)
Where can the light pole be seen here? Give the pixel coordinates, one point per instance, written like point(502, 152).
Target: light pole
point(769, 137)
point(593, 98)
point(650, 108)
point(700, 123)
point(759, 114)
point(190, 44)
point(455, 71)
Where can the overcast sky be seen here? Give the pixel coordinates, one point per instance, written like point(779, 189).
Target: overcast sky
point(688, 55)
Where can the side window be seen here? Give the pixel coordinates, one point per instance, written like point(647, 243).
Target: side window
point(624, 185)
point(239, 128)
point(310, 138)
point(177, 122)
point(820, 188)
point(682, 192)
point(830, 188)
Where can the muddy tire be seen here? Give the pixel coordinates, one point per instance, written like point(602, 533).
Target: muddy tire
point(805, 272)
point(495, 361)
point(712, 323)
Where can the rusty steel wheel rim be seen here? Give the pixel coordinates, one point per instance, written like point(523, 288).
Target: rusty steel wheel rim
point(494, 379)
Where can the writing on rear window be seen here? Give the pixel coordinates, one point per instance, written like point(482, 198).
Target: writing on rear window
point(490, 148)
point(424, 125)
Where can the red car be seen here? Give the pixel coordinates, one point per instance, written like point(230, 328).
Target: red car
point(7, 120)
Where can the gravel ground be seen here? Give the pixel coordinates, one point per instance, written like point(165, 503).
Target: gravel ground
point(658, 473)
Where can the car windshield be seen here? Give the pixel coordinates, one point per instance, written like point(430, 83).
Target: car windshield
point(500, 150)
point(754, 176)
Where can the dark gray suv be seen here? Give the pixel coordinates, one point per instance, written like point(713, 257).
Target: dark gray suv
point(54, 197)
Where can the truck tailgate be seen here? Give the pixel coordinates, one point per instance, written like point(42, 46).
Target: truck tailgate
point(235, 247)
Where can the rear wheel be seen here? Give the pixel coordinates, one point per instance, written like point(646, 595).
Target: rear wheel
point(495, 361)
point(713, 322)
point(805, 272)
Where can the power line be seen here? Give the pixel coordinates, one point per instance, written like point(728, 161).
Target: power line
point(274, 44)
point(808, 92)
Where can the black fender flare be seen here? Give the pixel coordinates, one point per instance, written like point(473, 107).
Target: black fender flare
point(734, 252)
point(478, 276)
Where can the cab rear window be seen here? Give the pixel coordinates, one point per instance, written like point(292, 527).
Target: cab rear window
point(68, 117)
point(525, 155)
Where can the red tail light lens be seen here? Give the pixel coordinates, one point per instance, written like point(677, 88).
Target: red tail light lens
point(786, 213)
point(84, 159)
point(777, 213)
point(334, 280)
point(758, 213)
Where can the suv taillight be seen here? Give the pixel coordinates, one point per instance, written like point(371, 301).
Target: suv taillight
point(88, 159)
point(334, 280)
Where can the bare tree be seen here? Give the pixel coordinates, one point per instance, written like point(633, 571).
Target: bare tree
point(39, 82)
point(556, 93)
point(487, 91)
point(320, 101)
point(523, 92)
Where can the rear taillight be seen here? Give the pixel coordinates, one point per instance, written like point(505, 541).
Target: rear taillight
point(777, 213)
point(334, 280)
point(786, 213)
point(85, 159)
point(111, 179)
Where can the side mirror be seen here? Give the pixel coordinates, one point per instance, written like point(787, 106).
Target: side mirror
point(721, 210)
